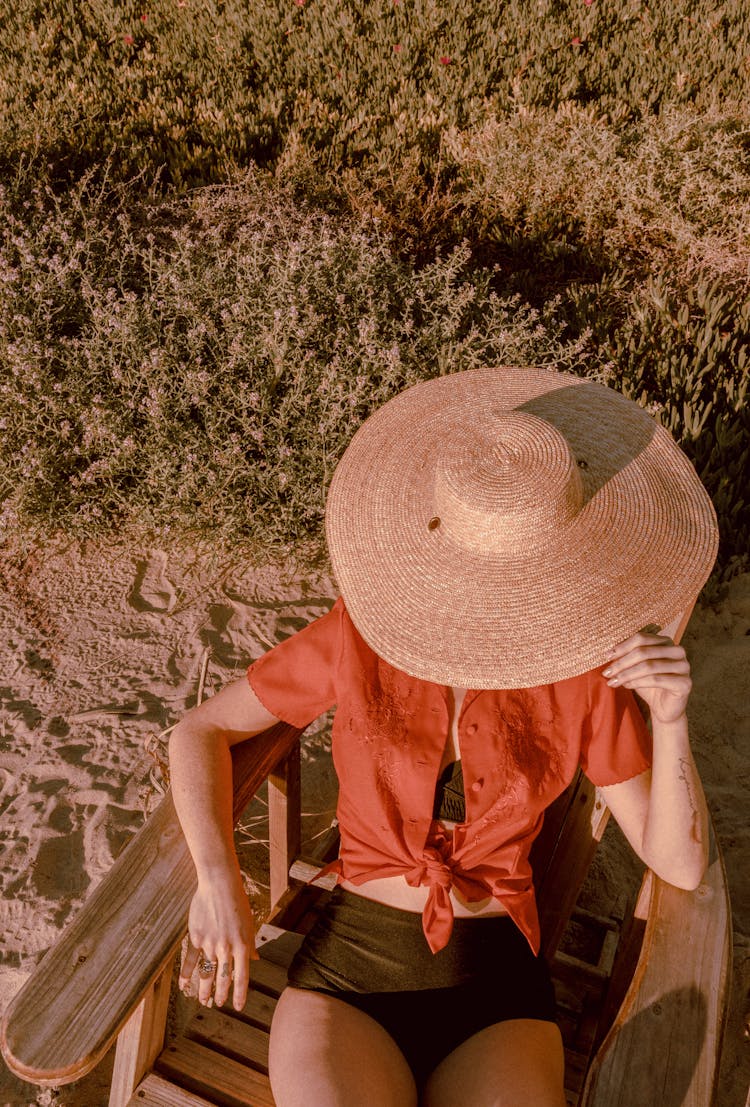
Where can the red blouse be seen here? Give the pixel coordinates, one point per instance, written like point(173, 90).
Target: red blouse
point(519, 749)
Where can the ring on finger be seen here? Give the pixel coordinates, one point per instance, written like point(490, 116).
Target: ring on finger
point(206, 968)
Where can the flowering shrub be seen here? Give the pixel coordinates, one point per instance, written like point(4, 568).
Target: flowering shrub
point(209, 372)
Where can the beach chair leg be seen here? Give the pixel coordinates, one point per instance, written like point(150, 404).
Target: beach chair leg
point(284, 821)
point(141, 1040)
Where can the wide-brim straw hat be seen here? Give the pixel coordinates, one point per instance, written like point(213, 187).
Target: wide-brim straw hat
point(506, 527)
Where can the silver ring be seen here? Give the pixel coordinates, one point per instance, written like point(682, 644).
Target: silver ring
point(206, 968)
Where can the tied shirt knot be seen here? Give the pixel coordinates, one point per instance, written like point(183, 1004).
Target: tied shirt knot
point(436, 869)
point(433, 869)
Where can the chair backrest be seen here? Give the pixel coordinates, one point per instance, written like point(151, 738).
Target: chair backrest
point(562, 854)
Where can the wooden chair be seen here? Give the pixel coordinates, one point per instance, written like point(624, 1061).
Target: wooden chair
point(642, 1017)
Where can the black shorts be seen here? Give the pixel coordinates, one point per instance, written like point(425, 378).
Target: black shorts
point(377, 958)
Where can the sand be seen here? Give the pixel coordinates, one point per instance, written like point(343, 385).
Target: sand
point(101, 648)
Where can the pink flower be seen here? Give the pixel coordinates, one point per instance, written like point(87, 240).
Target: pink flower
point(575, 41)
point(397, 47)
point(128, 40)
point(300, 3)
point(445, 60)
point(144, 18)
point(588, 3)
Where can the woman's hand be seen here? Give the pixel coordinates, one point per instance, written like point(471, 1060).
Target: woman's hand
point(654, 667)
point(220, 930)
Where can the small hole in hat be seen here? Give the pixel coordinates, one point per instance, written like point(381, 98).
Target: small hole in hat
point(434, 522)
point(582, 464)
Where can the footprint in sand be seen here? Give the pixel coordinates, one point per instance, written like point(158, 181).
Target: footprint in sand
point(221, 633)
point(58, 869)
point(152, 589)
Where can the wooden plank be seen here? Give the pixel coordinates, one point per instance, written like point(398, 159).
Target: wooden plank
point(626, 957)
point(575, 1071)
point(258, 1009)
point(155, 1091)
point(574, 851)
point(565, 966)
point(230, 1036)
point(141, 1039)
point(304, 870)
point(284, 821)
point(68, 1013)
point(220, 1079)
point(277, 946)
point(664, 1046)
point(267, 977)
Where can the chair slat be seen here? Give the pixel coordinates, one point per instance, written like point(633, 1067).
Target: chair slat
point(284, 821)
point(155, 1091)
point(268, 977)
point(277, 946)
point(258, 1009)
point(220, 1079)
point(231, 1037)
point(569, 862)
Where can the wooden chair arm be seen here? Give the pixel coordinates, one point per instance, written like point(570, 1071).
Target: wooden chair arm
point(664, 1047)
point(69, 1012)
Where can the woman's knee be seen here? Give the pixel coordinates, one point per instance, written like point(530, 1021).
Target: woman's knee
point(323, 1051)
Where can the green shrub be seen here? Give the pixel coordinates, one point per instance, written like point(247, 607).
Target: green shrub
point(208, 373)
point(213, 83)
point(688, 358)
point(671, 192)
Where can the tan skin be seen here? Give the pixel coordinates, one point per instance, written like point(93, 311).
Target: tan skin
point(662, 812)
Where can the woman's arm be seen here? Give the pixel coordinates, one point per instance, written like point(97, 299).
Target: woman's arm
point(200, 762)
point(663, 811)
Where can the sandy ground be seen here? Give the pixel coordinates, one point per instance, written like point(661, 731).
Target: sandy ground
point(101, 648)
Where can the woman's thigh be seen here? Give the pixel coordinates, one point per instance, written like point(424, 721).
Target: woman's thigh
point(519, 1061)
point(326, 1053)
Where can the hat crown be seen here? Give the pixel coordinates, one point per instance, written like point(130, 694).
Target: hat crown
point(510, 484)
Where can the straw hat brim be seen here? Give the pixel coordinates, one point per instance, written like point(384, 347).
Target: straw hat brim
point(456, 561)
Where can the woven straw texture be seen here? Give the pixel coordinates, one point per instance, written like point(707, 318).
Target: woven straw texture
point(505, 527)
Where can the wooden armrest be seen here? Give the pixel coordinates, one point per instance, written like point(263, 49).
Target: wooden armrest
point(69, 1012)
point(664, 1047)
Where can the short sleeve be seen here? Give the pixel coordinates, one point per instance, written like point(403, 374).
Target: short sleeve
point(295, 680)
point(616, 742)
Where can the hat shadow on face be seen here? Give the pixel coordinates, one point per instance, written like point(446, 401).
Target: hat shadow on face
point(605, 431)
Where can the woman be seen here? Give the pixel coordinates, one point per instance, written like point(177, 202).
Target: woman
point(493, 533)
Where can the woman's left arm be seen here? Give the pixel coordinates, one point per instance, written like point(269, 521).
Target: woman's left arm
point(663, 811)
